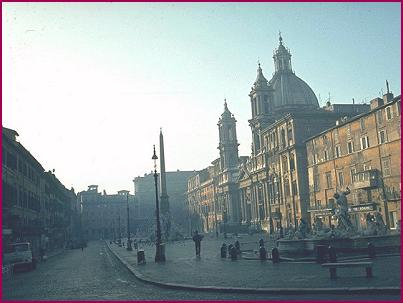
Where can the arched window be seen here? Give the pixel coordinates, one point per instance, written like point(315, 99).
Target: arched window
point(283, 137)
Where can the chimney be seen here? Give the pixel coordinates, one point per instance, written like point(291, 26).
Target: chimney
point(388, 96)
point(375, 103)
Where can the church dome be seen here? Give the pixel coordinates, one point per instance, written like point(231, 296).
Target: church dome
point(290, 91)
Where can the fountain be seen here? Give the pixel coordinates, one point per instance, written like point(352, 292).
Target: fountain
point(343, 237)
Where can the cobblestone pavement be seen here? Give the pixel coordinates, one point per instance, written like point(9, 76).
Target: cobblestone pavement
point(95, 274)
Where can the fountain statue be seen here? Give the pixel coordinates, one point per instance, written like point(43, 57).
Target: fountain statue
point(343, 219)
point(344, 236)
point(375, 225)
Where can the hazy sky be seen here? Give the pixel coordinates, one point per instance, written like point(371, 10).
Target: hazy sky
point(88, 85)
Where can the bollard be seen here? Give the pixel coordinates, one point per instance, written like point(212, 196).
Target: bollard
point(371, 250)
point(332, 271)
point(275, 255)
point(261, 242)
point(369, 272)
point(141, 258)
point(262, 253)
point(224, 250)
point(321, 251)
point(233, 253)
point(229, 250)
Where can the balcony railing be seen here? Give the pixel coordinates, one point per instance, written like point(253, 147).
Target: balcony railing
point(366, 179)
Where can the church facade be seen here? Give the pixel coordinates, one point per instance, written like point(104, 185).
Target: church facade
point(269, 189)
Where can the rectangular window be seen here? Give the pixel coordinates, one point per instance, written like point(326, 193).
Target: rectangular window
point(289, 136)
point(364, 142)
point(380, 116)
point(294, 188)
point(336, 134)
point(362, 124)
point(286, 188)
point(20, 165)
point(353, 175)
point(341, 178)
point(338, 151)
point(326, 155)
point(350, 147)
point(386, 167)
point(285, 164)
point(328, 179)
point(316, 183)
point(314, 158)
point(292, 162)
point(388, 113)
point(348, 131)
point(398, 108)
point(11, 161)
point(367, 166)
point(382, 136)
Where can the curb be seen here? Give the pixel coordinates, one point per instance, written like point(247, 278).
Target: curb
point(293, 290)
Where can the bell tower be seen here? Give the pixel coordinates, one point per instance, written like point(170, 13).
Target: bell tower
point(261, 99)
point(228, 144)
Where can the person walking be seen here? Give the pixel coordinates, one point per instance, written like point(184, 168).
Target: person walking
point(197, 239)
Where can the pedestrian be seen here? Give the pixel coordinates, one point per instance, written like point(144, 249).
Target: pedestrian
point(238, 247)
point(41, 253)
point(197, 239)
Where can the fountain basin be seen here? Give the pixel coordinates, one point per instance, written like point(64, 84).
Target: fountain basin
point(358, 243)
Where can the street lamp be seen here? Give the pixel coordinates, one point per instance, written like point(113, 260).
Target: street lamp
point(119, 234)
point(225, 222)
point(159, 253)
point(269, 194)
point(129, 242)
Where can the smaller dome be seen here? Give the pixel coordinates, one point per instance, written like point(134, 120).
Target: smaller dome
point(226, 114)
point(261, 81)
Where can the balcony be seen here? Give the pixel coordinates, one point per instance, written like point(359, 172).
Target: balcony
point(366, 179)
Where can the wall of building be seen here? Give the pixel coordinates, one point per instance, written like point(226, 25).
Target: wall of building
point(36, 206)
point(104, 216)
point(347, 155)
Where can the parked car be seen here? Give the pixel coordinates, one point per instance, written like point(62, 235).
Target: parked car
point(19, 255)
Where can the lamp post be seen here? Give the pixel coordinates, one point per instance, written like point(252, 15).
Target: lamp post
point(225, 222)
point(129, 242)
point(293, 206)
point(159, 253)
point(269, 197)
point(119, 234)
point(81, 219)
